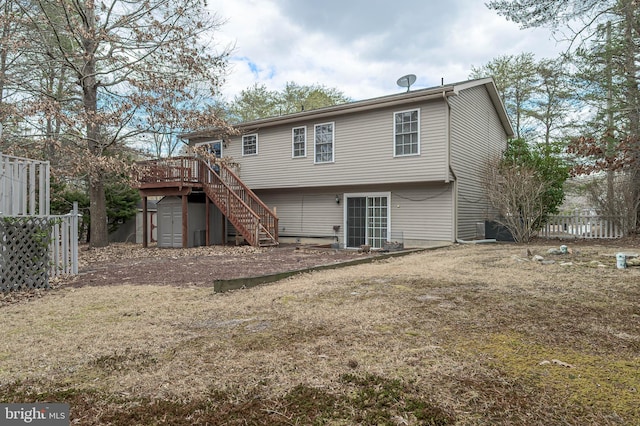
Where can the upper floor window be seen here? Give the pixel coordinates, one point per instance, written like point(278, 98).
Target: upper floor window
point(407, 133)
point(323, 143)
point(250, 144)
point(299, 142)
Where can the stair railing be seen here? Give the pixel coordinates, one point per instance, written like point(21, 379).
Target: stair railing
point(240, 204)
point(248, 214)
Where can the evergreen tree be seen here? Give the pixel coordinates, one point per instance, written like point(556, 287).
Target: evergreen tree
point(536, 94)
point(526, 186)
point(606, 37)
point(515, 77)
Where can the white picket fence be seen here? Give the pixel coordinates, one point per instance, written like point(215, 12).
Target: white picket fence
point(582, 225)
point(63, 248)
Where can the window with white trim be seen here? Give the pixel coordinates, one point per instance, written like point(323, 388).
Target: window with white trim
point(406, 133)
point(299, 142)
point(250, 144)
point(323, 143)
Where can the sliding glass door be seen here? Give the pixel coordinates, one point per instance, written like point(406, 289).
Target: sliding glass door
point(367, 220)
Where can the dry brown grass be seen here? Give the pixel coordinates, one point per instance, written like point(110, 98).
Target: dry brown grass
point(458, 334)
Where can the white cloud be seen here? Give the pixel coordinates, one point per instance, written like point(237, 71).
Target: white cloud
point(361, 47)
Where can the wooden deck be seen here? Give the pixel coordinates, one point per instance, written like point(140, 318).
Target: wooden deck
point(179, 176)
point(170, 176)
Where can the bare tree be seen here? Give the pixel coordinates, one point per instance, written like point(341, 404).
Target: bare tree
point(525, 185)
point(120, 53)
point(13, 38)
point(606, 35)
point(614, 197)
point(171, 114)
point(519, 196)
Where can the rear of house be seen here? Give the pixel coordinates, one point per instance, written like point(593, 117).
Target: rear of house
point(402, 168)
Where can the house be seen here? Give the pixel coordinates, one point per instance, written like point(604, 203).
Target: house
point(403, 168)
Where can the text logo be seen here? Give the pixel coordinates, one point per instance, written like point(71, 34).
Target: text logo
point(40, 414)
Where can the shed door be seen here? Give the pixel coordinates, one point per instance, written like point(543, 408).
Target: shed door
point(170, 226)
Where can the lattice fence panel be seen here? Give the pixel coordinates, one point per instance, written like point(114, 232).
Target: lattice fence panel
point(24, 253)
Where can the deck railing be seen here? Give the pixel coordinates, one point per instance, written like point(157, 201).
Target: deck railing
point(168, 170)
point(248, 214)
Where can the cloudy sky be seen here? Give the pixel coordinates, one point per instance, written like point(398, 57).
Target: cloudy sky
point(362, 47)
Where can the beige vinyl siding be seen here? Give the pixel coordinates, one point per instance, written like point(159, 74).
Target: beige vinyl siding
point(311, 213)
point(422, 212)
point(419, 212)
point(436, 195)
point(363, 152)
point(476, 136)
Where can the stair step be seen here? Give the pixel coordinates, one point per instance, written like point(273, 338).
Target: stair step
point(237, 213)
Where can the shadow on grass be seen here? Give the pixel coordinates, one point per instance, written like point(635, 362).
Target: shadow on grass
point(370, 399)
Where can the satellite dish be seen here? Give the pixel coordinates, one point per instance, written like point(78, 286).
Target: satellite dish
point(406, 81)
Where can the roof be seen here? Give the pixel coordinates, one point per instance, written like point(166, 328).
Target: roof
point(376, 103)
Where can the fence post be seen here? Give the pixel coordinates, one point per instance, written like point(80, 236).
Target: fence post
point(74, 238)
point(3, 189)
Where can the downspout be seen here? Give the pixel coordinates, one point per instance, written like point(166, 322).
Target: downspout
point(448, 168)
point(447, 137)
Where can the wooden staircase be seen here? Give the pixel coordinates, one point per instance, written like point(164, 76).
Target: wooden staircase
point(242, 207)
point(239, 204)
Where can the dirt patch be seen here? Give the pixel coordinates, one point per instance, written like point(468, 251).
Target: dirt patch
point(201, 266)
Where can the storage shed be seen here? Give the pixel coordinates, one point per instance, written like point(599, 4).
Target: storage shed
point(170, 222)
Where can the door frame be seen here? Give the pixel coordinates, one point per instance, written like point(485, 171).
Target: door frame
point(347, 195)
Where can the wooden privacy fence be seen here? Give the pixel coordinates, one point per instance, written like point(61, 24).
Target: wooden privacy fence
point(584, 226)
